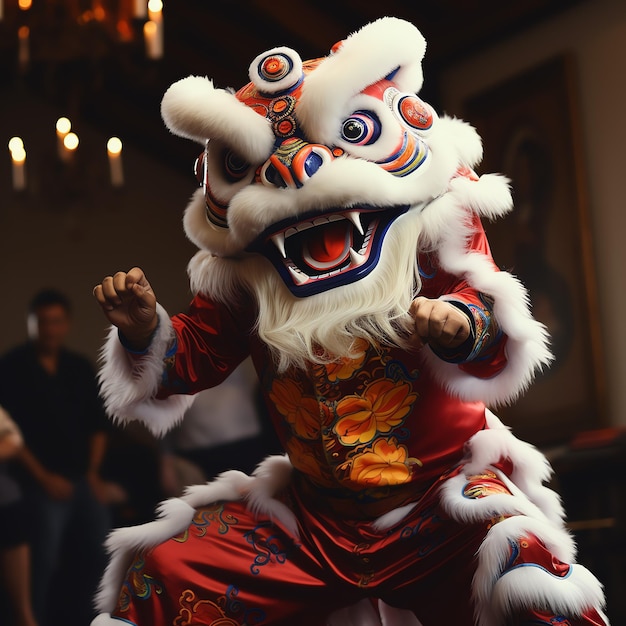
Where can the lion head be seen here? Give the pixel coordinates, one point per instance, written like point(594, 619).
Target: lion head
point(313, 179)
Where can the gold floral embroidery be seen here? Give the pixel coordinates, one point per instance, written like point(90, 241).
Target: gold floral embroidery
point(383, 463)
point(300, 411)
point(383, 405)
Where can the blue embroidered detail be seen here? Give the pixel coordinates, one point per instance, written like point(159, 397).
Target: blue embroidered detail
point(233, 607)
point(396, 370)
point(426, 527)
point(268, 548)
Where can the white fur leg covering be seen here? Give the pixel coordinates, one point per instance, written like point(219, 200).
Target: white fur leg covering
point(175, 516)
point(529, 510)
point(499, 592)
point(129, 383)
point(531, 469)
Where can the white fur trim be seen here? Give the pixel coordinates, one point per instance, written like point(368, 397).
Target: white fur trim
point(530, 467)
point(527, 587)
point(530, 470)
point(532, 587)
point(363, 59)
point(471, 511)
point(270, 477)
point(175, 515)
point(128, 384)
point(495, 552)
point(446, 230)
point(194, 109)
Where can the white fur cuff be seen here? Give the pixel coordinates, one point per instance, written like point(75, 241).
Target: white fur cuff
point(128, 384)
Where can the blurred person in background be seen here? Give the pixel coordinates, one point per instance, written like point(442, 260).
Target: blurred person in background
point(52, 394)
point(15, 574)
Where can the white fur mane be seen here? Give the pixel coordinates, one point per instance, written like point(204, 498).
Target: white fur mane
point(323, 328)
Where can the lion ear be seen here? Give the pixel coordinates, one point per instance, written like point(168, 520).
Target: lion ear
point(193, 108)
point(387, 48)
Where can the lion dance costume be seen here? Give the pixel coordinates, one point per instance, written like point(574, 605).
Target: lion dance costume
point(331, 196)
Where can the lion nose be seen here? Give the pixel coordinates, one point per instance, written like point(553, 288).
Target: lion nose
point(293, 162)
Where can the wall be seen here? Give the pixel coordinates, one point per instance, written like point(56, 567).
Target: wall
point(595, 33)
point(71, 228)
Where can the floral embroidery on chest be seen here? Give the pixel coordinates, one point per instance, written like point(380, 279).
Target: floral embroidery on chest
point(347, 419)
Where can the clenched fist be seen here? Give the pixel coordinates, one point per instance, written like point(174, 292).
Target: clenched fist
point(439, 323)
point(129, 303)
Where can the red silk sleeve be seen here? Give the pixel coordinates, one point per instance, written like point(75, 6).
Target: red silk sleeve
point(212, 339)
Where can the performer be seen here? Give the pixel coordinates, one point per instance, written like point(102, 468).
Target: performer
point(340, 244)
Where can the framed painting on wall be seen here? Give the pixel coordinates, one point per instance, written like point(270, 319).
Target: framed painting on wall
point(531, 134)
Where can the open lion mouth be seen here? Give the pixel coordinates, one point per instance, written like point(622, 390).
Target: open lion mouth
point(321, 251)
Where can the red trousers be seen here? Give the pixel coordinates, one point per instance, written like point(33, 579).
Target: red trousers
point(230, 568)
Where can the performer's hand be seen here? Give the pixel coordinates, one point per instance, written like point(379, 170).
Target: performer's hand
point(439, 323)
point(129, 303)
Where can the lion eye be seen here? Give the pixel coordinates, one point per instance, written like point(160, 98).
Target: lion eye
point(361, 128)
point(235, 168)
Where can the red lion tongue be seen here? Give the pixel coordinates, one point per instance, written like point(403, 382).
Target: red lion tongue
point(328, 245)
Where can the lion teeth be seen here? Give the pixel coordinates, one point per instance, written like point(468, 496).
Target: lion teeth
point(355, 218)
point(356, 258)
point(279, 241)
point(298, 277)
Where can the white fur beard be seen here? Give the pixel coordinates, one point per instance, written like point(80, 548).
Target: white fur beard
point(323, 328)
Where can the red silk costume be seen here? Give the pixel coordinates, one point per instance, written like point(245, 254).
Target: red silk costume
point(365, 436)
point(340, 421)
point(331, 197)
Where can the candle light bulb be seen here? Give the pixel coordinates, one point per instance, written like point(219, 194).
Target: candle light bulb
point(114, 145)
point(155, 6)
point(19, 155)
point(70, 141)
point(63, 126)
point(25, 4)
point(114, 151)
point(16, 144)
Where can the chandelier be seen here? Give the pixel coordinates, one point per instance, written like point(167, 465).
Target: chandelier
point(64, 48)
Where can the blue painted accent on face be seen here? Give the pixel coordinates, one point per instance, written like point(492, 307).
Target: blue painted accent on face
point(392, 74)
point(312, 163)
